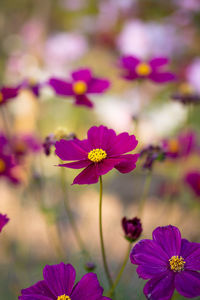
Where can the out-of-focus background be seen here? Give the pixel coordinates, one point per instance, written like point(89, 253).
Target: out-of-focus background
point(41, 39)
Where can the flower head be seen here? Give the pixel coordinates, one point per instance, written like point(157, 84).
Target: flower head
point(82, 83)
point(31, 85)
point(132, 228)
point(102, 151)
point(3, 221)
point(8, 168)
point(192, 179)
point(186, 94)
point(170, 263)
point(58, 284)
point(8, 93)
point(134, 68)
point(152, 153)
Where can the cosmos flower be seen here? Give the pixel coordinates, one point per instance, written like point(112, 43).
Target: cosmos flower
point(132, 228)
point(152, 153)
point(192, 179)
point(58, 284)
point(181, 146)
point(8, 93)
point(169, 262)
point(31, 85)
point(186, 94)
point(134, 68)
point(8, 168)
point(102, 151)
point(81, 84)
point(3, 221)
point(24, 144)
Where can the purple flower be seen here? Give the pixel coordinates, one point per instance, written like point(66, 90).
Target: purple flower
point(134, 68)
point(170, 263)
point(3, 221)
point(8, 168)
point(181, 146)
point(132, 228)
point(58, 284)
point(31, 85)
point(192, 179)
point(81, 85)
point(152, 153)
point(24, 144)
point(102, 151)
point(186, 95)
point(8, 93)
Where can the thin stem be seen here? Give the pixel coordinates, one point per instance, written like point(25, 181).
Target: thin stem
point(120, 271)
point(144, 194)
point(105, 264)
point(70, 215)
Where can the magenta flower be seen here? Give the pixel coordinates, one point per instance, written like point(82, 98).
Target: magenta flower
point(170, 263)
point(132, 228)
point(31, 85)
point(192, 179)
point(81, 84)
point(3, 221)
point(134, 69)
point(7, 168)
point(24, 144)
point(181, 146)
point(8, 93)
point(102, 151)
point(58, 284)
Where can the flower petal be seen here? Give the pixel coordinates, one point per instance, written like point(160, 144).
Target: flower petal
point(129, 62)
point(39, 290)
point(82, 74)
point(128, 163)
point(123, 143)
point(162, 77)
point(169, 238)
point(101, 137)
point(160, 287)
point(191, 254)
point(87, 288)
point(60, 278)
point(77, 164)
point(71, 150)
point(9, 92)
point(158, 62)
point(98, 85)
point(61, 87)
point(87, 176)
point(83, 100)
point(187, 283)
point(106, 165)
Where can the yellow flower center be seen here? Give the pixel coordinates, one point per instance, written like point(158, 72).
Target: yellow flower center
point(1, 97)
point(143, 69)
point(173, 146)
point(97, 155)
point(63, 297)
point(186, 89)
point(79, 87)
point(2, 165)
point(177, 263)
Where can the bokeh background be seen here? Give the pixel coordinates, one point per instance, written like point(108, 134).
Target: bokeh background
point(40, 39)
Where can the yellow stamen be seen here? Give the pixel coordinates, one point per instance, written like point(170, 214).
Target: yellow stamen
point(177, 263)
point(79, 87)
point(2, 165)
point(143, 69)
point(63, 297)
point(97, 155)
point(60, 133)
point(1, 97)
point(173, 146)
point(20, 146)
point(186, 89)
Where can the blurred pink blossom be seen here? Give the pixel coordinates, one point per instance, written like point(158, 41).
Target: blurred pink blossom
point(193, 74)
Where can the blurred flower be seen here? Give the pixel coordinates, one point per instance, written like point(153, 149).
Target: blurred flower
point(134, 68)
point(181, 146)
point(152, 153)
point(170, 263)
point(192, 5)
point(58, 284)
point(192, 179)
point(32, 85)
point(7, 168)
point(82, 83)
point(102, 151)
point(132, 228)
point(90, 266)
point(8, 93)
point(186, 94)
point(3, 221)
point(24, 144)
point(193, 74)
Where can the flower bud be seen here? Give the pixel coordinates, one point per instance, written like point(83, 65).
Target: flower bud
point(132, 228)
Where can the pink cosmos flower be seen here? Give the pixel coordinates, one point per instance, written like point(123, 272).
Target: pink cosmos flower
point(102, 151)
point(3, 221)
point(8, 93)
point(134, 69)
point(192, 179)
point(81, 84)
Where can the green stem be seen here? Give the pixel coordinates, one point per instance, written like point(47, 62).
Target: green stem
point(120, 271)
point(105, 264)
point(70, 215)
point(144, 194)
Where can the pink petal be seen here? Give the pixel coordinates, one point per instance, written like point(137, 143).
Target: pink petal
point(158, 62)
point(128, 164)
point(162, 77)
point(82, 74)
point(106, 165)
point(87, 176)
point(101, 137)
point(191, 254)
point(77, 164)
point(83, 100)
point(187, 283)
point(70, 150)
point(123, 143)
point(98, 85)
point(61, 87)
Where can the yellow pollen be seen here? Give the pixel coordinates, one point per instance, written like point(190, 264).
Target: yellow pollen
point(97, 155)
point(1, 97)
point(2, 165)
point(63, 297)
point(79, 87)
point(186, 89)
point(143, 69)
point(173, 146)
point(177, 263)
